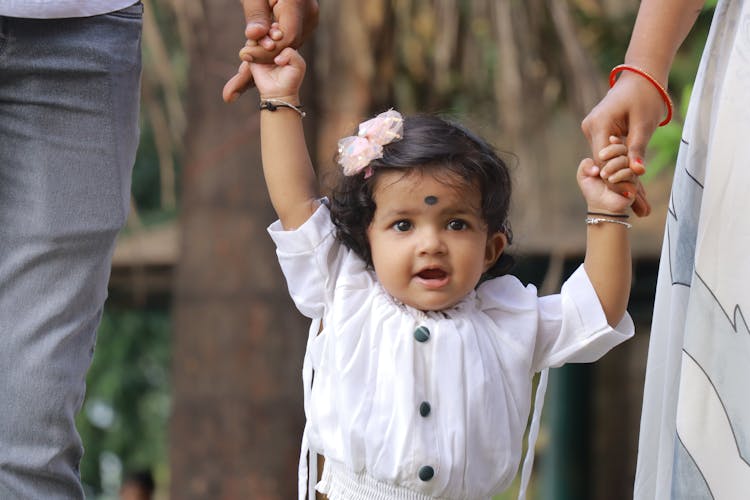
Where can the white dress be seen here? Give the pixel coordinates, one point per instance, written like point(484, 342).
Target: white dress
point(408, 404)
point(695, 426)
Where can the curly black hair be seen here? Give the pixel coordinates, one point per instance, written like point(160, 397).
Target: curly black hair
point(433, 145)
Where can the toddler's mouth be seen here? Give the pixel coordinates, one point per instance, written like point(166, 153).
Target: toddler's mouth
point(432, 274)
point(433, 278)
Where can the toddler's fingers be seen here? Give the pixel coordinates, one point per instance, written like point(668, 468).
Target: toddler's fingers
point(623, 175)
point(613, 150)
point(587, 168)
point(246, 51)
point(291, 57)
point(267, 43)
point(258, 53)
point(614, 165)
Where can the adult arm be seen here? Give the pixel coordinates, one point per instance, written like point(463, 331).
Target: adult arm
point(608, 266)
point(291, 180)
point(633, 108)
point(608, 260)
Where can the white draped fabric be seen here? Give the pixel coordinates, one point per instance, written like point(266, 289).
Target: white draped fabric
point(695, 426)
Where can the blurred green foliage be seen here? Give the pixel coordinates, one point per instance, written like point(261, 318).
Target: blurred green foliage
point(145, 188)
point(123, 422)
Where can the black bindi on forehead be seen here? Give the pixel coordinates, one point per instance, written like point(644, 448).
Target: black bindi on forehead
point(430, 200)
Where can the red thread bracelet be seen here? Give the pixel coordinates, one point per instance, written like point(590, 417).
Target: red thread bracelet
point(662, 91)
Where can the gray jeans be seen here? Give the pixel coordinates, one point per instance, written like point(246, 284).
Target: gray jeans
point(69, 103)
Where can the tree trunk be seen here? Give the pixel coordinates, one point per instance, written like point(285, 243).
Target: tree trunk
point(237, 412)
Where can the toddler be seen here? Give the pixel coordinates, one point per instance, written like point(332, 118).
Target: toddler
point(422, 348)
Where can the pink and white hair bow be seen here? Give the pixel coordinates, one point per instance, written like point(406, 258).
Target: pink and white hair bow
point(357, 151)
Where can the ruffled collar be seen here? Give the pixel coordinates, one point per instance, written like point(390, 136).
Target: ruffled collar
point(465, 306)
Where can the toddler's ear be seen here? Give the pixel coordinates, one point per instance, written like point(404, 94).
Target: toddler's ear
point(496, 243)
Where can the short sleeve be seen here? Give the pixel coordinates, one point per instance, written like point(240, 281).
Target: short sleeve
point(573, 327)
point(309, 257)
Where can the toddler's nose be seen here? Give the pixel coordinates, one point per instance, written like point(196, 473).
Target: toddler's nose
point(430, 242)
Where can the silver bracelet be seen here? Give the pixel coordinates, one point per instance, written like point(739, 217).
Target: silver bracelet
point(597, 220)
point(274, 104)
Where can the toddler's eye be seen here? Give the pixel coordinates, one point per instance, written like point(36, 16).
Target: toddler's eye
point(402, 226)
point(457, 225)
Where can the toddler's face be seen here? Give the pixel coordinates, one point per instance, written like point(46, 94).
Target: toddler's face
point(428, 240)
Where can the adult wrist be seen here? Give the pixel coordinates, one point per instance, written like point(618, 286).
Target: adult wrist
point(654, 62)
point(660, 75)
point(622, 69)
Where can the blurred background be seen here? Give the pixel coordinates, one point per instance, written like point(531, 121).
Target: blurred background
point(196, 381)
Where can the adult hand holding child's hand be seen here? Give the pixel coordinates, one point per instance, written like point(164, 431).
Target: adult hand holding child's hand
point(272, 26)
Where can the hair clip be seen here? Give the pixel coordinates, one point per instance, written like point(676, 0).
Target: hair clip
point(357, 151)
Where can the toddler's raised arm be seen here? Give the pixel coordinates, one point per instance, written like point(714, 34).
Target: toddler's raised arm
point(289, 174)
point(608, 261)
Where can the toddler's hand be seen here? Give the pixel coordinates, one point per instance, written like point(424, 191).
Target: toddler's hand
point(615, 174)
point(616, 167)
point(282, 79)
point(613, 187)
point(641, 206)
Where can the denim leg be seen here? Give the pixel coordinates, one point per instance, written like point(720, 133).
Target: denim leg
point(69, 98)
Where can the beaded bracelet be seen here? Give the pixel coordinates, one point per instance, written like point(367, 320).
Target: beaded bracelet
point(604, 214)
point(596, 220)
point(662, 91)
point(274, 104)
